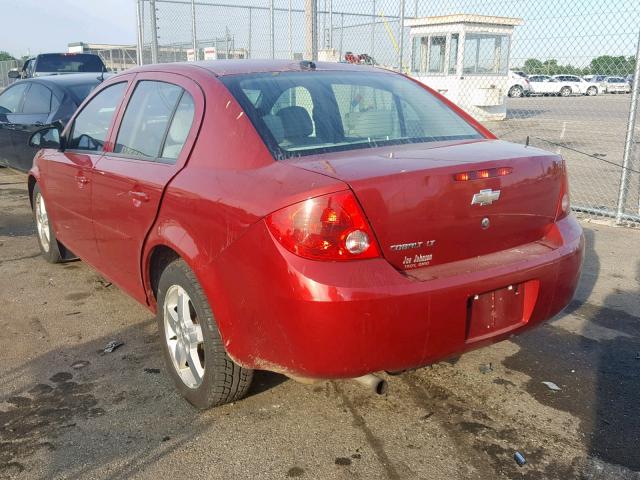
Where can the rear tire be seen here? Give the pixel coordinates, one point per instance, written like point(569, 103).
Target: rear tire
point(52, 250)
point(516, 91)
point(565, 91)
point(192, 346)
point(592, 91)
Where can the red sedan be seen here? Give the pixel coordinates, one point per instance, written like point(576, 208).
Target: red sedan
point(318, 220)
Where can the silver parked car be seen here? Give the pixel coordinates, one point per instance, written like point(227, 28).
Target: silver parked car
point(583, 86)
point(615, 85)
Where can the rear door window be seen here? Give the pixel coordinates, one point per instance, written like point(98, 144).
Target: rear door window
point(37, 100)
point(179, 128)
point(145, 122)
point(11, 98)
point(91, 126)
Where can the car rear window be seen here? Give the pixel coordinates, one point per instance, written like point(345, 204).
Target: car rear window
point(304, 113)
point(82, 91)
point(69, 63)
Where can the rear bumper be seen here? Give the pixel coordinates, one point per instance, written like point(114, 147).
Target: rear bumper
point(279, 312)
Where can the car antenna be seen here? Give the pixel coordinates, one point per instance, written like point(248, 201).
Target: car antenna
point(527, 142)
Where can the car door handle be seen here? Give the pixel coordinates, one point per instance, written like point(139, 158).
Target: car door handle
point(139, 196)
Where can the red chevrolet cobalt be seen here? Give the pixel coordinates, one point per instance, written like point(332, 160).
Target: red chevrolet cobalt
point(319, 220)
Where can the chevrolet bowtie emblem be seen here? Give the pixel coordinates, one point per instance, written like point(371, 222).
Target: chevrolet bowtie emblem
point(485, 197)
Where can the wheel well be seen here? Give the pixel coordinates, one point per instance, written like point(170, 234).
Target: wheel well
point(31, 184)
point(161, 256)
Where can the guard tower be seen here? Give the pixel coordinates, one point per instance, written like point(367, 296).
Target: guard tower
point(466, 58)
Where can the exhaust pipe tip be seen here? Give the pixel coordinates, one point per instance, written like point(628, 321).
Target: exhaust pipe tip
point(377, 385)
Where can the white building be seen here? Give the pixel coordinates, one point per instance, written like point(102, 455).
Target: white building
point(466, 58)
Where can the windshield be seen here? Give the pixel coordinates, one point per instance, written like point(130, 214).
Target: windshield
point(69, 63)
point(304, 113)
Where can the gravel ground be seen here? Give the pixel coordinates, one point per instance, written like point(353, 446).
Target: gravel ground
point(67, 410)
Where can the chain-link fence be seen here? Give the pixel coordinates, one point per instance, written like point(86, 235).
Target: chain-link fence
point(558, 74)
point(5, 66)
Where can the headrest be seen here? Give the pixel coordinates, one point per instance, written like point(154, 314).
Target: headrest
point(296, 122)
point(181, 124)
point(371, 124)
point(274, 124)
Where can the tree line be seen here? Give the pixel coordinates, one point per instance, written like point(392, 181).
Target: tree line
point(602, 65)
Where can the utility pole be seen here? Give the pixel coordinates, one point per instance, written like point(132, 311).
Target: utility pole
point(139, 21)
point(194, 38)
point(401, 52)
point(154, 31)
point(272, 33)
point(311, 29)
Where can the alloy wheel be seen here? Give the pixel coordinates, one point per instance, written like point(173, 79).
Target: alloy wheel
point(183, 335)
point(42, 222)
point(516, 91)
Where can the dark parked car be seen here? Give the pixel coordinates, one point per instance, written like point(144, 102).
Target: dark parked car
point(59, 64)
point(319, 220)
point(31, 104)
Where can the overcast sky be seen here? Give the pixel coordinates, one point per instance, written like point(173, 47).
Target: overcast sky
point(571, 31)
point(40, 26)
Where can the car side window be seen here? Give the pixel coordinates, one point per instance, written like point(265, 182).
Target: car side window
point(145, 121)
point(179, 128)
point(91, 126)
point(11, 98)
point(37, 100)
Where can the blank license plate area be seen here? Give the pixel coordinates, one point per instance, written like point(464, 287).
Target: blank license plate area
point(495, 312)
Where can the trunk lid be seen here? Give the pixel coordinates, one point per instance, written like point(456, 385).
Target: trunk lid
point(421, 215)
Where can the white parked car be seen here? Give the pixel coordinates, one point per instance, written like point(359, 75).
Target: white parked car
point(518, 85)
point(585, 87)
point(615, 85)
point(546, 85)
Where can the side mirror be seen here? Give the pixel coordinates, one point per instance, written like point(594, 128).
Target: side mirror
point(13, 73)
point(48, 137)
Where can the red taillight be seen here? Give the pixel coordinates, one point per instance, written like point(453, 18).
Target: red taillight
point(330, 227)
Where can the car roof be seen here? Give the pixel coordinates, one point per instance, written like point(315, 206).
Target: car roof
point(69, 80)
point(221, 68)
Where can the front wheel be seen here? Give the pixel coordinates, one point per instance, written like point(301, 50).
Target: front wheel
point(50, 248)
point(193, 349)
point(592, 91)
point(565, 91)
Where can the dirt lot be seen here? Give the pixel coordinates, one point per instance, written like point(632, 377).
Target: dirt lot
point(69, 411)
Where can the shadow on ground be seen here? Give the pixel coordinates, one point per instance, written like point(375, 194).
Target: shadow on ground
point(598, 372)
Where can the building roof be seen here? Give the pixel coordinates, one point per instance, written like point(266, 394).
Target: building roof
point(464, 18)
point(100, 46)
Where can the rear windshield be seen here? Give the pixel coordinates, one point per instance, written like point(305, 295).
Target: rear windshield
point(68, 63)
point(80, 92)
point(305, 113)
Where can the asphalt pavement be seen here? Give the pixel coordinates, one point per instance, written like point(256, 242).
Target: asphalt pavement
point(69, 410)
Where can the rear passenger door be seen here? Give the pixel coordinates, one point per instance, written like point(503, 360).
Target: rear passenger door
point(11, 101)
point(150, 145)
point(38, 103)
